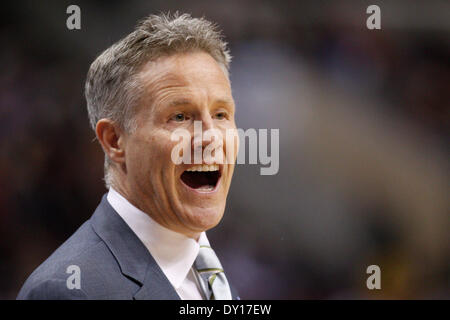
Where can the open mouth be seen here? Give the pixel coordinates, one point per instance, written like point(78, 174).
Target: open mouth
point(201, 177)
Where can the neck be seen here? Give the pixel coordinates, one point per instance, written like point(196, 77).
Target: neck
point(122, 189)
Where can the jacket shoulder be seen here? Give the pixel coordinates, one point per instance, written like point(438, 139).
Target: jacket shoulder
point(80, 268)
point(50, 289)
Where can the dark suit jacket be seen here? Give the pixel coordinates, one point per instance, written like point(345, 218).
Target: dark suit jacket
point(113, 264)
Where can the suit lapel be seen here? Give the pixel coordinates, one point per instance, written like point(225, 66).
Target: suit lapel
point(157, 287)
point(134, 259)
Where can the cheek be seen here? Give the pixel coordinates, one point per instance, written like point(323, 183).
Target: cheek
point(159, 150)
point(140, 151)
point(231, 144)
point(137, 163)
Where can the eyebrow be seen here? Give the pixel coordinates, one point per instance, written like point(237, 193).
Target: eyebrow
point(179, 102)
point(184, 101)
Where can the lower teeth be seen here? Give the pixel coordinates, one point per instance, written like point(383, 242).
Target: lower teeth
point(207, 188)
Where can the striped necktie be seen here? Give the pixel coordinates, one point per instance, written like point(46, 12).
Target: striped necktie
point(212, 277)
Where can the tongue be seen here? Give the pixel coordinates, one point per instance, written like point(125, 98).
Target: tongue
point(200, 180)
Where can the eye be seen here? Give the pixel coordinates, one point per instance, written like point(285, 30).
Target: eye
point(179, 117)
point(221, 115)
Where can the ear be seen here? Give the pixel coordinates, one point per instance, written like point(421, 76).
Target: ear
point(111, 137)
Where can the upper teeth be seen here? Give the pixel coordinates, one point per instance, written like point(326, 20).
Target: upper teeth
point(204, 167)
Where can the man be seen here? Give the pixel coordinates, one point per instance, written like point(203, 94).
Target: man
point(146, 239)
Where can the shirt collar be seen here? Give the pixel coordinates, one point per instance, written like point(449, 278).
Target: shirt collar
point(174, 252)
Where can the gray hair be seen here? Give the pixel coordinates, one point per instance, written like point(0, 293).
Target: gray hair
point(113, 89)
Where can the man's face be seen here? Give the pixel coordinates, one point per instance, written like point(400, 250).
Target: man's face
point(179, 90)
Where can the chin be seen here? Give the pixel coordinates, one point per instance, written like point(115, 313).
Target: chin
point(202, 219)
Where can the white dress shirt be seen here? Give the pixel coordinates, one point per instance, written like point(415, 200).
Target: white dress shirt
point(174, 252)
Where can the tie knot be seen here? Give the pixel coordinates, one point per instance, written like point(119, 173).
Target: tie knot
point(207, 261)
point(213, 280)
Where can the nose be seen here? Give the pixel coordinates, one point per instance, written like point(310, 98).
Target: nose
point(200, 139)
point(207, 122)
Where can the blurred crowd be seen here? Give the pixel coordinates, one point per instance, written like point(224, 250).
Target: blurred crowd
point(364, 130)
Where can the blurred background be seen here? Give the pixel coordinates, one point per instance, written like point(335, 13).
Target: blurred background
point(364, 130)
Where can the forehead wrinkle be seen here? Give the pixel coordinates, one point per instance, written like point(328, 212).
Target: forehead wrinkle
point(160, 86)
point(156, 86)
point(164, 82)
point(178, 93)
